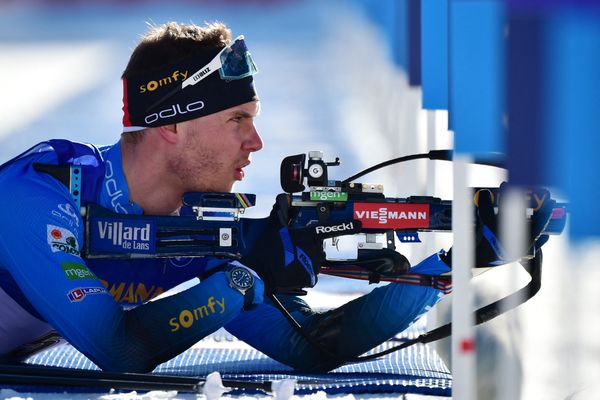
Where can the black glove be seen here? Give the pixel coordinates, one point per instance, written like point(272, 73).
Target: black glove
point(488, 249)
point(286, 258)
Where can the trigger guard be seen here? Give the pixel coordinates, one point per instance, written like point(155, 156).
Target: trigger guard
point(386, 262)
point(383, 261)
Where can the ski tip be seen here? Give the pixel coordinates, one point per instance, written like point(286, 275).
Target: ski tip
point(213, 387)
point(283, 389)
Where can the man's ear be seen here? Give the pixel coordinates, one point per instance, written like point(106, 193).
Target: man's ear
point(169, 133)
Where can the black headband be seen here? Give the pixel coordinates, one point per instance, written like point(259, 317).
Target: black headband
point(156, 98)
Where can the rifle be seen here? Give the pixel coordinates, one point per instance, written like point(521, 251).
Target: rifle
point(211, 224)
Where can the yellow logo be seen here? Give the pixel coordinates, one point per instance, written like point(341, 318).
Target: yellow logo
point(132, 293)
point(534, 198)
point(186, 318)
point(151, 86)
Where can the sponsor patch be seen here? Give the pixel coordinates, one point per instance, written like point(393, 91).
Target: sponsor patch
point(328, 196)
point(123, 235)
point(76, 271)
point(61, 239)
point(132, 292)
point(79, 294)
point(392, 215)
point(187, 317)
point(173, 110)
point(154, 84)
point(67, 213)
point(347, 226)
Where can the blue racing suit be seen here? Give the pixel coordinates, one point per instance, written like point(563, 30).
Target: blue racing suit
point(102, 306)
point(41, 269)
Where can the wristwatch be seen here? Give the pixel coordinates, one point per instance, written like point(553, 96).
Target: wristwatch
point(242, 280)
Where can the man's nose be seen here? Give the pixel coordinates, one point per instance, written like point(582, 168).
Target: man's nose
point(254, 141)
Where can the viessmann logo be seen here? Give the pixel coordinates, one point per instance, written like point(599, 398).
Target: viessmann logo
point(392, 215)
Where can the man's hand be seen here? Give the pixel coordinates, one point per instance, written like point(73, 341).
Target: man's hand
point(288, 258)
point(489, 250)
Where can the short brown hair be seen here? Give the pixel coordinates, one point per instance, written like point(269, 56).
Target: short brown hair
point(167, 43)
point(172, 41)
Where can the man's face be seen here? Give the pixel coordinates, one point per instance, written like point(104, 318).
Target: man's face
point(214, 149)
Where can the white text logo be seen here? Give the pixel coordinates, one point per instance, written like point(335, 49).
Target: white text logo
point(174, 110)
point(383, 215)
point(336, 228)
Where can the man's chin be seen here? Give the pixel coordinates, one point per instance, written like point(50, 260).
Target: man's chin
point(215, 188)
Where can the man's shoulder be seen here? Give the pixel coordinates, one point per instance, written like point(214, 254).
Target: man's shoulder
point(37, 164)
point(60, 151)
point(77, 153)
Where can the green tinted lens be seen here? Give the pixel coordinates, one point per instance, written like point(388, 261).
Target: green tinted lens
point(237, 62)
